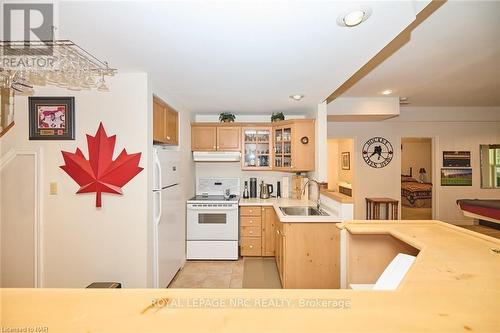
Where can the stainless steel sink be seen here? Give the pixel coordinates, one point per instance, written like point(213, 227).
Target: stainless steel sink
point(303, 211)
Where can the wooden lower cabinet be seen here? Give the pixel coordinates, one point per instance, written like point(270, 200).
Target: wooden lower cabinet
point(257, 228)
point(308, 255)
point(251, 231)
point(250, 246)
point(269, 222)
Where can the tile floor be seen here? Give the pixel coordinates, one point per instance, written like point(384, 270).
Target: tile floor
point(210, 274)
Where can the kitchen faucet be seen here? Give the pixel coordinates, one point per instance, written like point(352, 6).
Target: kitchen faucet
point(318, 201)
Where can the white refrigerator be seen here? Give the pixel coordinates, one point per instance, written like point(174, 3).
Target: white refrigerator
point(168, 217)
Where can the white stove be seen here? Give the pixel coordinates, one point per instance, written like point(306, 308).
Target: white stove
point(212, 220)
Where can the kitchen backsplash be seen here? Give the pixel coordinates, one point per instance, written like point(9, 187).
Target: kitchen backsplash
point(233, 169)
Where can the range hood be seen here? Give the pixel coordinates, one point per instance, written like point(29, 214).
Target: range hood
point(216, 156)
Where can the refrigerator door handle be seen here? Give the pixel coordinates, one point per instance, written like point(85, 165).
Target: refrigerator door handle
point(157, 200)
point(157, 170)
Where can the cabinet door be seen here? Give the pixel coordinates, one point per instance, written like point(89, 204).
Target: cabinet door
point(203, 138)
point(172, 126)
point(282, 249)
point(278, 251)
point(228, 138)
point(159, 119)
point(269, 220)
point(303, 146)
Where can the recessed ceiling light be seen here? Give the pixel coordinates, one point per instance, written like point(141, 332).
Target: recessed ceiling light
point(296, 97)
point(354, 17)
point(387, 92)
point(404, 100)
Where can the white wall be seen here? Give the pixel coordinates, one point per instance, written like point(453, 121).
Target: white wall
point(81, 243)
point(453, 128)
point(321, 157)
point(362, 108)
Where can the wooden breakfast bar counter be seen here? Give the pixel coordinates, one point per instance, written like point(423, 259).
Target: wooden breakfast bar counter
point(453, 286)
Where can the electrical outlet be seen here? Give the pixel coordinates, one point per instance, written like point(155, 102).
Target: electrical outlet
point(53, 188)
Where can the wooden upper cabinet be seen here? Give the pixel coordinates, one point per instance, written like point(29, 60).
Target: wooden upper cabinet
point(287, 145)
point(203, 138)
point(159, 119)
point(228, 138)
point(172, 121)
point(165, 123)
point(206, 137)
point(294, 145)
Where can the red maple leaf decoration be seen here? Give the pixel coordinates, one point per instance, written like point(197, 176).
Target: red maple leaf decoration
point(100, 173)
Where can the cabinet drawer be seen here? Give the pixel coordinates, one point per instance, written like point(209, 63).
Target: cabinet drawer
point(250, 246)
point(250, 221)
point(250, 231)
point(250, 211)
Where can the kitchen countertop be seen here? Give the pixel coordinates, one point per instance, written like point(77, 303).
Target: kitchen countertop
point(342, 198)
point(453, 286)
point(280, 202)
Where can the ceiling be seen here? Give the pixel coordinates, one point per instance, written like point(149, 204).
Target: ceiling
point(451, 59)
point(238, 56)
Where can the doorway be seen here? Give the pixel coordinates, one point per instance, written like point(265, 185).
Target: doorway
point(416, 178)
point(340, 165)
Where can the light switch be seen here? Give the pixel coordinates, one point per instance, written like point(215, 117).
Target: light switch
point(53, 188)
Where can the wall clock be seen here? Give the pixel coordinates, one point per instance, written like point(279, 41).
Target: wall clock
point(377, 152)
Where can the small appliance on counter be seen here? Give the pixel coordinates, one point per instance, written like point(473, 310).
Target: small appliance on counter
point(253, 187)
point(265, 190)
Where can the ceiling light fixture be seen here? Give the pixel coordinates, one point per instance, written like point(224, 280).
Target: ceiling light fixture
point(386, 92)
point(296, 97)
point(354, 17)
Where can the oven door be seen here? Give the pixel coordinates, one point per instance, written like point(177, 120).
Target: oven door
point(212, 222)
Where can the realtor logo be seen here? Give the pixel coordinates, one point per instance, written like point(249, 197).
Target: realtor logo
point(32, 22)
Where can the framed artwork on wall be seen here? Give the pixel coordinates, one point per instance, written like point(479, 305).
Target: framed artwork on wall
point(51, 118)
point(456, 177)
point(456, 159)
point(345, 160)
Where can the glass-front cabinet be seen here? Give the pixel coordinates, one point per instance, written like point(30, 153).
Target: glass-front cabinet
point(294, 145)
point(257, 143)
point(283, 147)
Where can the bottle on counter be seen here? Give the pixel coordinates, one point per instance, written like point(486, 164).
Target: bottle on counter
point(246, 194)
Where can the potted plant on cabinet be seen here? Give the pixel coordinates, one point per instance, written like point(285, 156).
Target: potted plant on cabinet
point(227, 117)
point(277, 116)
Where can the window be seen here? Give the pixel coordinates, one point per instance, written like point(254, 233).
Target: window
point(490, 166)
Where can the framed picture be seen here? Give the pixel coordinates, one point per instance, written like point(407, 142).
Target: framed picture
point(346, 160)
point(51, 118)
point(456, 177)
point(456, 159)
